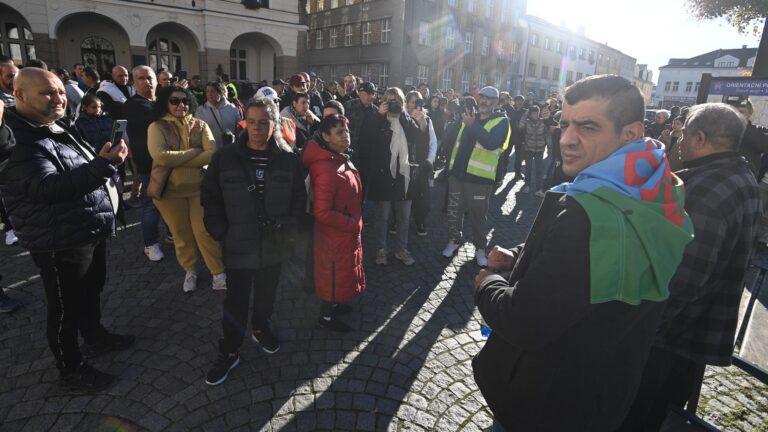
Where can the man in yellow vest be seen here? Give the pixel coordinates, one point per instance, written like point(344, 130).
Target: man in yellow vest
point(483, 136)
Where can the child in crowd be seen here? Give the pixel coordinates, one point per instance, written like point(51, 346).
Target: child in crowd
point(536, 141)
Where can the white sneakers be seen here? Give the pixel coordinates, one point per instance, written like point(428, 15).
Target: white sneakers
point(10, 238)
point(190, 281)
point(450, 249)
point(481, 258)
point(539, 193)
point(220, 281)
point(154, 253)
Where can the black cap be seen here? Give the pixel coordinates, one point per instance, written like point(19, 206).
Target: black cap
point(278, 81)
point(367, 87)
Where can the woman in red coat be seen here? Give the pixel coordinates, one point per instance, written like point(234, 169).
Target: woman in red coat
point(338, 250)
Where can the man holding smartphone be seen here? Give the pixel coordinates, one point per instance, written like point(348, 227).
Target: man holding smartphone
point(483, 136)
point(62, 203)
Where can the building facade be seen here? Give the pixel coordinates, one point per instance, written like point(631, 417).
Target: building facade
point(445, 43)
point(252, 40)
point(556, 57)
point(679, 80)
point(644, 81)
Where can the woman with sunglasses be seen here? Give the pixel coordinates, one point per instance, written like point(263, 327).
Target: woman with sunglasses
point(180, 146)
point(338, 251)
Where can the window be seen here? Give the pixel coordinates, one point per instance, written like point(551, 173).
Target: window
point(688, 86)
point(164, 53)
point(16, 42)
point(334, 4)
point(599, 58)
point(96, 52)
point(320, 5)
point(238, 64)
point(500, 49)
point(696, 88)
point(366, 33)
point(471, 5)
point(581, 53)
point(531, 69)
point(675, 86)
point(497, 83)
point(449, 37)
point(424, 33)
point(422, 75)
point(546, 43)
point(579, 76)
point(350, 2)
point(468, 36)
point(452, 3)
point(319, 39)
point(545, 72)
point(485, 46)
point(465, 81)
point(504, 12)
point(482, 81)
point(332, 37)
point(569, 76)
point(386, 29)
point(384, 75)
point(559, 46)
point(572, 51)
point(666, 86)
point(488, 8)
point(556, 74)
point(447, 79)
point(348, 35)
point(534, 39)
point(725, 64)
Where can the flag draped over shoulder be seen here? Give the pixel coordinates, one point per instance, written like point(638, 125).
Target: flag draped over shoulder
point(639, 228)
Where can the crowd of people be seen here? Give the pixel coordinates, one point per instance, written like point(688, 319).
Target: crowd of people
point(624, 290)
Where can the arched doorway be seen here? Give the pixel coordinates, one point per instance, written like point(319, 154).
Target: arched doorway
point(252, 57)
point(172, 47)
point(98, 53)
point(93, 40)
point(16, 40)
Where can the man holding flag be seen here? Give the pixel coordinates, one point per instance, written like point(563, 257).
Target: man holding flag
point(575, 309)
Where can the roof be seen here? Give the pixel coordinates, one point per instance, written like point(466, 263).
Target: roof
point(708, 59)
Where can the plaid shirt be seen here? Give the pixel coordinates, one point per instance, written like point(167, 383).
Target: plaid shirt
point(722, 198)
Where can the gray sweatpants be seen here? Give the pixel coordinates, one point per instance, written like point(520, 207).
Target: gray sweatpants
point(472, 197)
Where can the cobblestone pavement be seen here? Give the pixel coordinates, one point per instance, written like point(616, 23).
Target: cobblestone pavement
point(405, 367)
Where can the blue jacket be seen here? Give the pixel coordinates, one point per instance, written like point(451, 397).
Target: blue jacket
point(56, 198)
point(95, 130)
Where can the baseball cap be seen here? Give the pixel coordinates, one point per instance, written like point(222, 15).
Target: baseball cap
point(368, 87)
point(266, 93)
point(278, 81)
point(490, 92)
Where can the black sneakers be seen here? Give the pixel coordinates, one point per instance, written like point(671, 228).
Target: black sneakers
point(267, 340)
point(421, 230)
point(341, 309)
point(110, 342)
point(332, 323)
point(220, 370)
point(86, 379)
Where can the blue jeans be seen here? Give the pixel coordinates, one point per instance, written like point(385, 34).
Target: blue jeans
point(150, 217)
point(497, 427)
point(534, 167)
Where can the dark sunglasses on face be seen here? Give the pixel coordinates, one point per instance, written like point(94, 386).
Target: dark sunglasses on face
point(177, 100)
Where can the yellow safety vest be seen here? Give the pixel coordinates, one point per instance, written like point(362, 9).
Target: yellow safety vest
point(482, 162)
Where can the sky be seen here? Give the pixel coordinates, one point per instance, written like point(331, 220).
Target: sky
point(652, 31)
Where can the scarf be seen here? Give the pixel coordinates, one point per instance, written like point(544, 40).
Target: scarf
point(639, 228)
point(398, 150)
point(114, 91)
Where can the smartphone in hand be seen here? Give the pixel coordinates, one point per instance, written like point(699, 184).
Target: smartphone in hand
point(118, 129)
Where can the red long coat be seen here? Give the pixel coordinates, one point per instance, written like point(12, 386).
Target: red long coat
point(339, 275)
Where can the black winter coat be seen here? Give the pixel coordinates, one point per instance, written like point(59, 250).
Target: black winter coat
point(382, 186)
point(249, 233)
point(55, 197)
point(554, 361)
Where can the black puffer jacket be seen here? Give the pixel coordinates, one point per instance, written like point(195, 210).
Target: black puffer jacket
point(55, 197)
point(250, 239)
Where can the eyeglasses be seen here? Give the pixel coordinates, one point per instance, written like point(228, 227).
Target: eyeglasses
point(177, 100)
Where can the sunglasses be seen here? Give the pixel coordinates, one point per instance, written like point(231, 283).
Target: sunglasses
point(178, 100)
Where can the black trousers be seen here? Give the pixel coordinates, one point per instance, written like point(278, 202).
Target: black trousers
point(263, 282)
point(501, 169)
point(668, 380)
point(73, 280)
point(421, 198)
point(519, 158)
point(4, 217)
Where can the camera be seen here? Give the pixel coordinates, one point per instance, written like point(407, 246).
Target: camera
point(470, 105)
point(395, 107)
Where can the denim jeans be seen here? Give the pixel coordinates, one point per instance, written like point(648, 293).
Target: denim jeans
point(534, 168)
point(150, 216)
point(381, 223)
point(497, 427)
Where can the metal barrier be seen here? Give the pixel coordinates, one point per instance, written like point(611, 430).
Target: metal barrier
point(750, 368)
